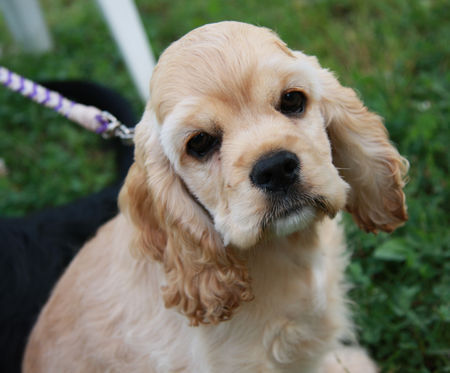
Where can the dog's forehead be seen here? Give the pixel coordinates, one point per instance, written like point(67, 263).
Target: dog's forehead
point(227, 61)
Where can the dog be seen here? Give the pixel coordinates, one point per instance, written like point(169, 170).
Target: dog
point(35, 249)
point(227, 255)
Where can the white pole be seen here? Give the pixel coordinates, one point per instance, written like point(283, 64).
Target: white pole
point(126, 27)
point(25, 21)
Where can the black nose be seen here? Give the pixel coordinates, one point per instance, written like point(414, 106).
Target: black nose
point(276, 172)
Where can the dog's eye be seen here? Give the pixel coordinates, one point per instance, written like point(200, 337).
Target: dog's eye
point(292, 102)
point(202, 144)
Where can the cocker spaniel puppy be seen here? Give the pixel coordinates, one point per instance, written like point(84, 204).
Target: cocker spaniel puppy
point(227, 255)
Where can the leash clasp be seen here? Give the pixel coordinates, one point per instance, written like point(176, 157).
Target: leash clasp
point(114, 128)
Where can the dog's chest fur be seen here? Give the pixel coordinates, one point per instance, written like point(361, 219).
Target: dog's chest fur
point(290, 319)
point(297, 314)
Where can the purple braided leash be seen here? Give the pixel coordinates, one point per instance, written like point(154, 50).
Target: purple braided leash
point(89, 117)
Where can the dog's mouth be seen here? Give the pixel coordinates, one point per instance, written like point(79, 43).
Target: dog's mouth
point(296, 212)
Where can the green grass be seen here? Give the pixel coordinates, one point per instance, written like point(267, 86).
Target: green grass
point(395, 53)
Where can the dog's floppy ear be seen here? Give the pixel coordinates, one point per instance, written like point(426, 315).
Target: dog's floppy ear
point(364, 157)
point(204, 279)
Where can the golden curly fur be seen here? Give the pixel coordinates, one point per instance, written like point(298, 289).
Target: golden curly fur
point(258, 276)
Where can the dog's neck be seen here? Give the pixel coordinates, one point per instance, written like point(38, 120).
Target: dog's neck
point(296, 248)
point(275, 263)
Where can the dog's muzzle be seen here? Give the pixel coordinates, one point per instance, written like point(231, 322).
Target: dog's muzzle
point(289, 204)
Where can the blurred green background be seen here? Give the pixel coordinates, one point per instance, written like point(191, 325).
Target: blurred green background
point(396, 54)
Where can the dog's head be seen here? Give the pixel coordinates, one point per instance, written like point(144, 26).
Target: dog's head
point(245, 140)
